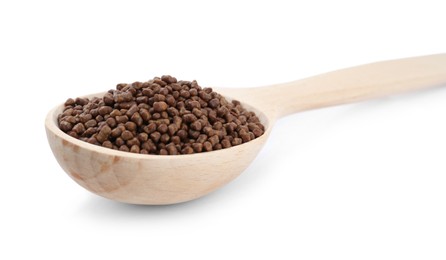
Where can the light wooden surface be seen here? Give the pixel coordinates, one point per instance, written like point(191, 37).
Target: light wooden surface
point(347, 85)
point(153, 179)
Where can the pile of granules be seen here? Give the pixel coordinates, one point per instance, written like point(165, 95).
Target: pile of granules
point(161, 116)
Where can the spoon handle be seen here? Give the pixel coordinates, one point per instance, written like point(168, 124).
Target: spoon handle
point(352, 85)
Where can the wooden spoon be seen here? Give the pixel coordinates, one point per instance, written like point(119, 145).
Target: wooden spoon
point(155, 179)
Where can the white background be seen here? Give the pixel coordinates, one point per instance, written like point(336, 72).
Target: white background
point(361, 181)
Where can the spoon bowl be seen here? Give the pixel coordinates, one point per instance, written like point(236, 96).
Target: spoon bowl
point(149, 179)
point(156, 179)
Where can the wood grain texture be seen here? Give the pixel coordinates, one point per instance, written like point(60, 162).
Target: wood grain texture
point(347, 85)
point(154, 179)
